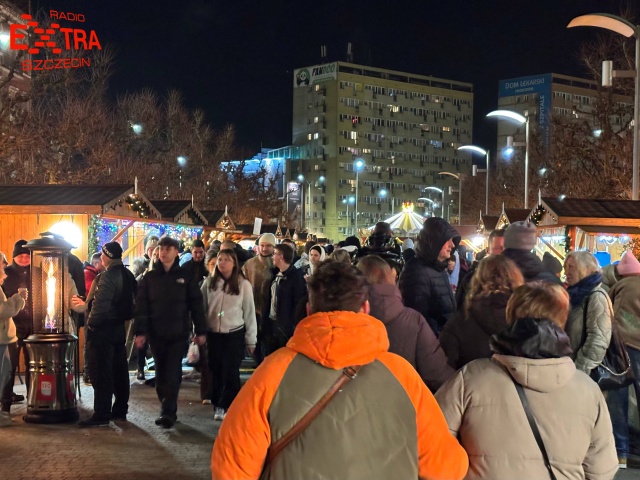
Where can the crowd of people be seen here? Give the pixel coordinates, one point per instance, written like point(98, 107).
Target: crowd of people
point(445, 369)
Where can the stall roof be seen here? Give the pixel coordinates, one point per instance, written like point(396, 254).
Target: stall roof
point(583, 211)
point(180, 211)
point(517, 214)
point(69, 199)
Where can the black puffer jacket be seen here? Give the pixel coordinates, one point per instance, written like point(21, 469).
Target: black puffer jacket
point(291, 289)
point(424, 282)
point(530, 266)
point(166, 304)
point(466, 338)
point(19, 277)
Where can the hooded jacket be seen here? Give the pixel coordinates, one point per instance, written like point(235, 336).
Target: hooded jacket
point(409, 335)
point(467, 338)
point(610, 276)
point(483, 410)
point(530, 266)
point(626, 307)
point(383, 424)
point(424, 282)
point(19, 277)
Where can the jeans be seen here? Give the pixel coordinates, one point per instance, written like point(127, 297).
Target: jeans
point(14, 354)
point(618, 404)
point(5, 370)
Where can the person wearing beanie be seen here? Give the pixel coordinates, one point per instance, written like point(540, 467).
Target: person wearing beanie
point(111, 301)
point(551, 264)
point(519, 240)
point(18, 276)
point(424, 282)
point(258, 271)
point(625, 295)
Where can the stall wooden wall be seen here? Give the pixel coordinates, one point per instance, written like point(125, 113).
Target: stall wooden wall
point(13, 227)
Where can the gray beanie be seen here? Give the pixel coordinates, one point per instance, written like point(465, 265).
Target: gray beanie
point(521, 236)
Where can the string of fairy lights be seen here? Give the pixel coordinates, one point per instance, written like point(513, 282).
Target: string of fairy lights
point(103, 230)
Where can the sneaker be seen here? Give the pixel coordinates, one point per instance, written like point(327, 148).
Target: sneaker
point(93, 422)
point(165, 421)
point(206, 401)
point(140, 375)
point(5, 419)
point(15, 398)
point(118, 418)
point(622, 463)
point(219, 414)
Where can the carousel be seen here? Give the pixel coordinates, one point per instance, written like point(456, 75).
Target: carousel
point(407, 223)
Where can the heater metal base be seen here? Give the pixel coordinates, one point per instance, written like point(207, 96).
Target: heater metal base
point(52, 389)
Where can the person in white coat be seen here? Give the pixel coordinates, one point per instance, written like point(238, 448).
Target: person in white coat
point(231, 326)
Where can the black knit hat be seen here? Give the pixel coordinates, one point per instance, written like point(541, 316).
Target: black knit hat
point(113, 250)
point(18, 248)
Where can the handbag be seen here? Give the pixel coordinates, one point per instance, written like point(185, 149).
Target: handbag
point(348, 374)
point(534, 427)
point(615, 370)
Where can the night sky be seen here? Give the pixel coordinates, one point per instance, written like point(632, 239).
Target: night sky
point(234, 59)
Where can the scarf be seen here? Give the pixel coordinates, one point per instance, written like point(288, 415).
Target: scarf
point(584, 287)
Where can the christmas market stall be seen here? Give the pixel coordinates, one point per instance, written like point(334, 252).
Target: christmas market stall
point(605, 228)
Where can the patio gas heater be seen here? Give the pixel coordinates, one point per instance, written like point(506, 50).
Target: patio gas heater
point(51, 397)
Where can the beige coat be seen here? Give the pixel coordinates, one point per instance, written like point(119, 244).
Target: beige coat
point(258, 270)
point(483, 410)
point(8, 308)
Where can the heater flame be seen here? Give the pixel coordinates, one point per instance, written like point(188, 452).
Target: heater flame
point(50, 321)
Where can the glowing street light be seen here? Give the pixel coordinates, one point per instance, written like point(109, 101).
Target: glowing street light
point(481, 151)
point(347, 201)
point(628, 29)
point(357, 166)
point(182, 162)
point(523, 120)
point(439, 190)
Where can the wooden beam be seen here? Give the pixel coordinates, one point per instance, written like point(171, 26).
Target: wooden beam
point(121, 232)
point(52, 209)
point(615, 222)
point(556, 252)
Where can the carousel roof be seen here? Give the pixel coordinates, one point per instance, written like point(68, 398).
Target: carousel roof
point(406, 220)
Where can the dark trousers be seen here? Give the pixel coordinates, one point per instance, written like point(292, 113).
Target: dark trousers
point(205, 373)
point(109, 373)
point(14, 355)
point(226, 351)
point(142, 357)
point(168, 360)
point(273, 336)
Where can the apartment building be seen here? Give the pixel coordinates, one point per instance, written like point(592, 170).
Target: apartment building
point(366, 140)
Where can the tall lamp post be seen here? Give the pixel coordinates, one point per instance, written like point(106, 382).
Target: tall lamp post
point(357, 166)
point(182, 162)
point(481, 151)
point(383, 194)
point(523, 120)
point(628, 29)
point(433, 203)
point(347, 201)
point(458, 177)
point(302, 179)
point(439, 190)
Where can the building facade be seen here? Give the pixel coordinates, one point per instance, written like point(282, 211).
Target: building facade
point(365, 140)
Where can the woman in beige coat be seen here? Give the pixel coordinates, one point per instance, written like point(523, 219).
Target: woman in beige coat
point(484, 411)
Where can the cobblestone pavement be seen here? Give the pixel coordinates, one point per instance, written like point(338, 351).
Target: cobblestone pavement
point(136, 449)
point(132, 450)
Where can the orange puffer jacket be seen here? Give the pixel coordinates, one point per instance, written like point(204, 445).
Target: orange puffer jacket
point(383, 422)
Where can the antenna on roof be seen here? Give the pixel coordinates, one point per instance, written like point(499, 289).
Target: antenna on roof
point(349, 53)
point(323, 52)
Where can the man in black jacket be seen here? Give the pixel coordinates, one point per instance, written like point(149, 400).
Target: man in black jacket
point(196, 265)
point(168, 301)
point(281, 297)
point(110, 305)
point(424, 282)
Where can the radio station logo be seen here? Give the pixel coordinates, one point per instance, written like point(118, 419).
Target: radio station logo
point(53, 39)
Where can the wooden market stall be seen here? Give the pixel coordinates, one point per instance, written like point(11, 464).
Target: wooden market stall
point(603, 227)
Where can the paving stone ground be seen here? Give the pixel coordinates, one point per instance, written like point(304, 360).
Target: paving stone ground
point(136, 449)
point(133, 450)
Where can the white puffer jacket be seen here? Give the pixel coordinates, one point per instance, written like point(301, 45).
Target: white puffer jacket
point(8, 308)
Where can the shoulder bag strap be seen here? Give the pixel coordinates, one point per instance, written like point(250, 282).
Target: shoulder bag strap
point(349, 373)
point(534, 428)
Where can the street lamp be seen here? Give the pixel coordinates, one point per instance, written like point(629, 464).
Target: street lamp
point(357, 166)
point(383, 194)
point(523, 120)
point(432, 202)
point(458, 177)
point(347, 201)
point(628, 29)
point(481, 151)
point(301, 179)
point(439, 190)
point(182, 162)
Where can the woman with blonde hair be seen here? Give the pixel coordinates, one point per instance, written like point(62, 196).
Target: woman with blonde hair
point(589, 323)
point(530, 384)
point(466, 336)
